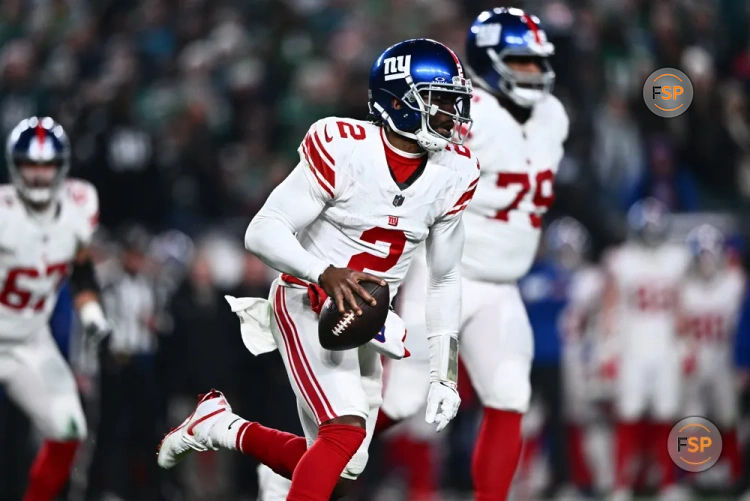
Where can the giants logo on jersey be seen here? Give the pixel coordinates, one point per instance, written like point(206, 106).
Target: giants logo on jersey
point(396, 67)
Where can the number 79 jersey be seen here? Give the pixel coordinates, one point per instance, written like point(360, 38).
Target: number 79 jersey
point(36, 254)
point(519, 163)
point(369, 222)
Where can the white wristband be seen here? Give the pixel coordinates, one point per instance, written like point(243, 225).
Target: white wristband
point(444, 358)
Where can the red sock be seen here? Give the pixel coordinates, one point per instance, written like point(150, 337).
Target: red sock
point(418, 459)
point(627, 440)
point(496, 454)
point(50, 470)
point(579, 468)
point(731, 451)
point(384, 422)
point(320, 467)
point(660, 437)
point(278, 450)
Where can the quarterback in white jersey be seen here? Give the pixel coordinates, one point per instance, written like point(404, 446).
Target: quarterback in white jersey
point(518, 134)
point(644, 275)
point(708, 309)
point(47, 224)
point(363, 197)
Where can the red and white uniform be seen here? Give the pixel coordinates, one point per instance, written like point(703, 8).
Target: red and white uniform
point(346, 210)
point(36, 254)
point(647, 281)
point(709, 312)
point(503, 227)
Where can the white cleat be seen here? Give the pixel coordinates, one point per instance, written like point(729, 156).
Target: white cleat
point(192, 434)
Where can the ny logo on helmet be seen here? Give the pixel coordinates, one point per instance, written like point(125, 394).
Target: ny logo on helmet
point(396, 67)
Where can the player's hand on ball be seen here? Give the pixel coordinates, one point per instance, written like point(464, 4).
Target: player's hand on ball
point(442, 404)
point(341, 284)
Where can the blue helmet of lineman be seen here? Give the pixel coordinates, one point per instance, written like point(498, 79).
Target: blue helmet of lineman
point(649, 221)
point(37, 141)
point(567, 241)
point(406, 81)
point(706, 245)
point(496, 37)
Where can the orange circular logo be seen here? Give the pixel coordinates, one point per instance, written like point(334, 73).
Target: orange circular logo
point(694, 444)
point(668, 92)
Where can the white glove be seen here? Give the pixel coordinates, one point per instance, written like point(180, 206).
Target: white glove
point(95, 324)
point(390, 340)
point(442, 404)
point(443, 399)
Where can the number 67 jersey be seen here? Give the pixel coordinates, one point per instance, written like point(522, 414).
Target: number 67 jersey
point(519, 163)
point(36, 253)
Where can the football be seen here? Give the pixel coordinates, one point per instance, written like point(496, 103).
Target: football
point(347, 331)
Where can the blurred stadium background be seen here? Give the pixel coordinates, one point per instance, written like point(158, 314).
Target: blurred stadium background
point(185, 114)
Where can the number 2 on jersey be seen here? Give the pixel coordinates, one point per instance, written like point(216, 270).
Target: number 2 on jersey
point(505, 179)
point(397, 241)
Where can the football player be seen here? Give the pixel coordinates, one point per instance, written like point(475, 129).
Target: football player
point(47, 224)
point(518, 134)
point(639, 305)
point(708, 311)
point(363, 197)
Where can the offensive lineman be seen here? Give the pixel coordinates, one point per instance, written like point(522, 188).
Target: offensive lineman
point(363, 197)
point(47, 224)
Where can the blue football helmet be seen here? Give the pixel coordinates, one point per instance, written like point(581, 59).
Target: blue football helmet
point(501, 33)
point(37, 141)
point(415, 73)
point(649, 221)
point(567, 241)
point(706, 245)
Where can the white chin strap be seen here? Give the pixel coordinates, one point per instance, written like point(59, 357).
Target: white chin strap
point(38, 195)
point(429, 141)
point(525, 97)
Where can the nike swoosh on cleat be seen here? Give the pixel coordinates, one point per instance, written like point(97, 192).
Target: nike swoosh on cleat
point(230, 424)
point(198, 421)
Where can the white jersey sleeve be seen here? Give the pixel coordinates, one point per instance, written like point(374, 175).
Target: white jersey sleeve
point(294, 205)
point(83, 200)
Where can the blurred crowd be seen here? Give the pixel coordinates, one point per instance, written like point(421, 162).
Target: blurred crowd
point(185, 114)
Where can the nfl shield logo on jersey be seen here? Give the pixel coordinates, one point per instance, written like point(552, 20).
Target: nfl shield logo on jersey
point(398, 200)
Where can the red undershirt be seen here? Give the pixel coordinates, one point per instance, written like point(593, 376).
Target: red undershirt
point(401, 163)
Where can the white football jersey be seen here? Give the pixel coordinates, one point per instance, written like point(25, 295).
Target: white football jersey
point(36, 254)
point(647, 281)
point(519, 163)
point(709, 309)
point(369, 222)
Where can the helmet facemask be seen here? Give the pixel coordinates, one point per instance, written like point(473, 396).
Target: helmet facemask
point(425, 98)
point(38, 171)
point(522, 87)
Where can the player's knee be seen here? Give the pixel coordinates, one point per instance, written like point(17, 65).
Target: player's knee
point(349, 420)
point(510, 388)
point(73, 427)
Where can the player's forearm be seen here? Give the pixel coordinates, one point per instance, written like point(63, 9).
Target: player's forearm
point(275, 244)
point(291, 207)
point(443, 306)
